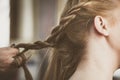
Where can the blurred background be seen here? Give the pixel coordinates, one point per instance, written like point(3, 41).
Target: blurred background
point(28, 21)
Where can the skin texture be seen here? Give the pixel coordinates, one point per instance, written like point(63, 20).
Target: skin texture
point(103, 50)
point(6, 58)
point(86, 41)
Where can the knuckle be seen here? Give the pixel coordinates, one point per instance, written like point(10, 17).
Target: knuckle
point(14, 51)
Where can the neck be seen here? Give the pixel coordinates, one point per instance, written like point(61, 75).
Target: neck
point(99, 62)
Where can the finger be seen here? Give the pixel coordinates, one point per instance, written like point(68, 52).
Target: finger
point(21, 59)
point(8, 51)
point(14, 51)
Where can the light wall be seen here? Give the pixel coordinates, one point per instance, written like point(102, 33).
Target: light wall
point(4, 23)
point(26, 27)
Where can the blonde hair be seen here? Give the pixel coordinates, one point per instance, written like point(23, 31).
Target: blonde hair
point(70, 36)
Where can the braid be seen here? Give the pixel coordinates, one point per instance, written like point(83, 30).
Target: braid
point(59, 30)
point(55, 37)
point(69, 4)
point(76, 8)
point(73, 28)
point(70, 13)
point(36, 45)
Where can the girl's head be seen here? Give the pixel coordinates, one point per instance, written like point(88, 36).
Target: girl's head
point(86, 15)
point(79, 20)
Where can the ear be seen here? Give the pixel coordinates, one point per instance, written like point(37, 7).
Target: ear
point(100, 25)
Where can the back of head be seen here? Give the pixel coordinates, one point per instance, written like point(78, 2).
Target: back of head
point(71, 35)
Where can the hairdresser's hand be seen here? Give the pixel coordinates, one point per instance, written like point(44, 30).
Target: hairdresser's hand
point(6, 58)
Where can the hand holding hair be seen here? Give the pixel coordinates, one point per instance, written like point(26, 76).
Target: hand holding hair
point(22, 57)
